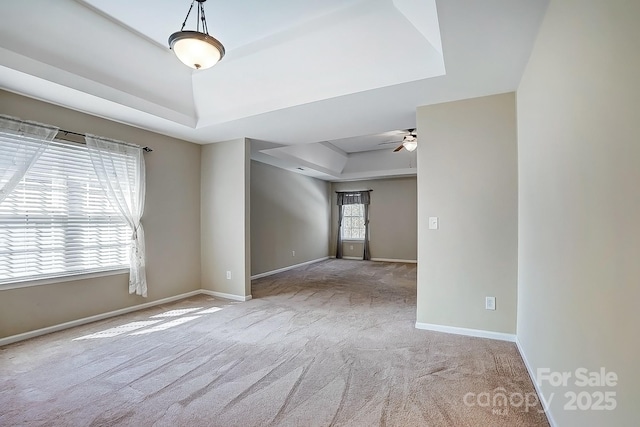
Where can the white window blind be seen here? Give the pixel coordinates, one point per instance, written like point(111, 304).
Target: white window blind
point(58, 221)
point(353, 222)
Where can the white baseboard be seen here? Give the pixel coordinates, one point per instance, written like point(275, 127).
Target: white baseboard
point(291, 267)
point(55, 328)
point(532, 375)
point(405, 261)
point(226, 296)
point(465, 331)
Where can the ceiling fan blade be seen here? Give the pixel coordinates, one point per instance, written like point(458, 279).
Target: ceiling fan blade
point(400, 147)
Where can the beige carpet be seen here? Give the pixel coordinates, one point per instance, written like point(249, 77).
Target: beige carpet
point(332, 343)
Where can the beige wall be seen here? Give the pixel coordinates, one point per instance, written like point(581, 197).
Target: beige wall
point(579, 203)
point(225, 217)
point(171, 220)
point(392, 216)
point(467, 177)
point(289, 212)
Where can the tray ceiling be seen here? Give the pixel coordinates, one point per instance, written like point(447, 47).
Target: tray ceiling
point(295, 72)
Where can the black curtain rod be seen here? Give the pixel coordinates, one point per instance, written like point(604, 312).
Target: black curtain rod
point(68, 132)
point(354, 191)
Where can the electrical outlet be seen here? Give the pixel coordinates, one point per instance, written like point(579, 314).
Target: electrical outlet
point(350, 247)
point(228, 275)
point(293, 253)
point(490, 303)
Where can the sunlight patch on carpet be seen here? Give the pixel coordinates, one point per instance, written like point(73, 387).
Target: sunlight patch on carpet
point(176, 313)
point(209, 310)
point(159, 326)
point(118, 330)
point(167, 325)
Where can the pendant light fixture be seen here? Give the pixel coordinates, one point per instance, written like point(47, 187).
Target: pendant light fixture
point(196, 49)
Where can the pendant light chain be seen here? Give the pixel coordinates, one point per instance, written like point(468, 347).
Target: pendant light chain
point(201, 18)
point(187, 17)
point(204, 21)
point(198, 18)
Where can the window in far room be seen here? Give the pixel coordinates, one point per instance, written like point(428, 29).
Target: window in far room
point(353, 222)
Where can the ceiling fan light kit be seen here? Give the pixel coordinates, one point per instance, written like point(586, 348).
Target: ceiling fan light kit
point(410, 142)
point(196, 49)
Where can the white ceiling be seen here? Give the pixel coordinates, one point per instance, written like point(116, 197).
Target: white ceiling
point(379, 141)
point(295, 72)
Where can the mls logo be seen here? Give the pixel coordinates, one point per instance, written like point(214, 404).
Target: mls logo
point(500, 411)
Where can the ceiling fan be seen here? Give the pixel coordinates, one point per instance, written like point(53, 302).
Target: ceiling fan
point(409, 141)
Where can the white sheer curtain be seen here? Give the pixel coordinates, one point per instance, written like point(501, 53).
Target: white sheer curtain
point(21, 144)
point(121, 172)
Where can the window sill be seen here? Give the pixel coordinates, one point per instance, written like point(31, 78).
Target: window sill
point(352, 240)
point(61, 279)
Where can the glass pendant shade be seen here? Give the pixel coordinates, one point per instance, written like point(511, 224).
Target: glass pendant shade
point(195, 49)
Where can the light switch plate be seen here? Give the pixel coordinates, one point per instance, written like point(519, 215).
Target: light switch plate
point(433, 223)
point(490, 303)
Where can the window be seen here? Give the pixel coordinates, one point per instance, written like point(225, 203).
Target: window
point(353, 222)
point(59, 222)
